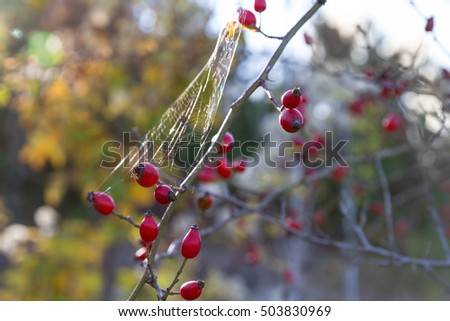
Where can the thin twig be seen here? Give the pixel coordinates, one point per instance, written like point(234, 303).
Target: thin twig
point(387, 198)
point(126, 218)
point(175, 280)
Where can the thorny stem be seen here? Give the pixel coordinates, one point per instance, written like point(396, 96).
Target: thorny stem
point(126, 218)
point(233, 109)
point(168, 291)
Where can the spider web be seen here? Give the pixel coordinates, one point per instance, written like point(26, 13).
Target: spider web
point(180, 139)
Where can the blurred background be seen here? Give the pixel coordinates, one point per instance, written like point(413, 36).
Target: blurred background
point(76, 74)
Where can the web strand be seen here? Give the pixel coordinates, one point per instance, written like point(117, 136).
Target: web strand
point(178, 142)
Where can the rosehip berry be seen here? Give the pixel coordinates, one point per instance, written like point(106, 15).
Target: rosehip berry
point(204, 202)
point(102, 202)
point(291, 120)
point(239, 165)
point(377, 208)
point(206, 175)
point(402, 227)
point(308, 39)
point(260, 5)
point(391, 123)
point(356, 106)
point(145, 174)
point(289, 275)
point(430, 24)
point(148, 229)
point(318, 141)
point(227, 143)
point(253, 255)
point(164, 194)
point(445, 73)
point(339, 173)
point(192, 243)
point(292, 98)
point(293, 223)
point(140, 254)
point(247, 18)
point(192, 290)
point(224, 169)
point(319, 218)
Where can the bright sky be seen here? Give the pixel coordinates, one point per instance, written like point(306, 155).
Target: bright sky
point(397, 20)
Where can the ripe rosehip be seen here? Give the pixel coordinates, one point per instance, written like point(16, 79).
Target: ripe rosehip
point(319, 218)
point(292, 98)
point(140, 254)
point(148, 229)
point(145, 174)
point(206, 175)
point(291, 120)
point(356, 106)
point(260, 5)
point(239, 165)
point(430, 24)
point(164, 194)
point(192, 290)
point(102, 202)
point(377, 208)
point(253, 255)
point(391, 123)
point(227, 143)
point(192, 243)
point(308, 39)
point(445, 73)
point(402, 227)
point(224, 169)
point(339, 173)
point(247, 18)
point(288, 275)
point(204, 202)
point(293, 223)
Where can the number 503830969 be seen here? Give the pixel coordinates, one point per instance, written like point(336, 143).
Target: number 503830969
point(295, 311)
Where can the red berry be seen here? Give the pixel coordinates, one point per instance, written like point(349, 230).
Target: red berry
point(148, 229)
point(430, 24)
point(192, 243)
point(318, 141)
point(192, 290)
point(356, 106)
point(224, 169)
point(339, 173)
point(291, 120)
point(293, 223)
point(402, 227)
point(145, 174)
point(227, 143)
point(239, 165)
point(377, 208)
point(288, 275)
point(292, 98)
point(164, 194)
point(308, 39)
point(253, 255)
point(102, 202)
point(204, 202)
point(319, 218)
point(445, 73)
point(260, 5)
point(391, 123)
point(206, 175)
point(141, 254)
point(247, 18)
